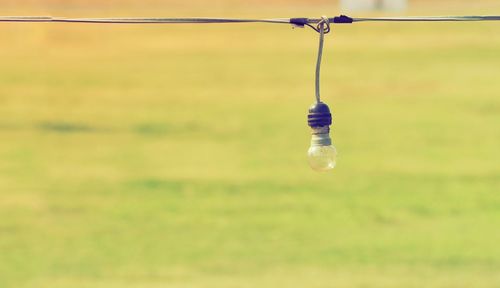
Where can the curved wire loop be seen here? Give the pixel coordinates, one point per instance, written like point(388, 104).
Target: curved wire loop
point(324, 21)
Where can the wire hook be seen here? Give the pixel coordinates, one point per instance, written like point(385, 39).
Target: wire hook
point(320, 26)
point(324, 21)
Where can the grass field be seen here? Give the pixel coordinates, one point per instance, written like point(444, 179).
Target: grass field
point(175, 156)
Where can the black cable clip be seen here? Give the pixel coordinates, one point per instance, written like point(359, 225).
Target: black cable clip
point(299, 22)
point(342, 19)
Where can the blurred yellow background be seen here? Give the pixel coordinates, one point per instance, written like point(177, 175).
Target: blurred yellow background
point(175, 155)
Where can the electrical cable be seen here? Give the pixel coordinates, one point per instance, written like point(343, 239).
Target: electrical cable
point(429, 19)
point(321, 28)
point(301, 22)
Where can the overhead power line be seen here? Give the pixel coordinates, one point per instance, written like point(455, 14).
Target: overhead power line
point(300, 22)
point(296, 21)
point(429, 19)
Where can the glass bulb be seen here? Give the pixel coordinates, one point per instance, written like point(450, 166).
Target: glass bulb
point(322, 154)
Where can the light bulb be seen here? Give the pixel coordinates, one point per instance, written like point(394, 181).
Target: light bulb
point(322, 154)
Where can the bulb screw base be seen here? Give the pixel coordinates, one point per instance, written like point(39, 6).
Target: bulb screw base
point(321, 139)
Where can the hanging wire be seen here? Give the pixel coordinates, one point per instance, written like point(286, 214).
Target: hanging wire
point(429, 19)
point(323, 27)
point(295, 21)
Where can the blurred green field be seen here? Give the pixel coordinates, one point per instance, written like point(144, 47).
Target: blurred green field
point(175, 156)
